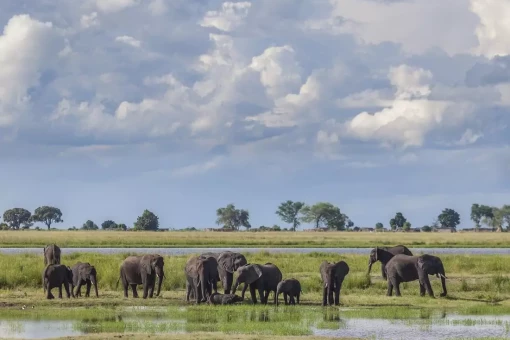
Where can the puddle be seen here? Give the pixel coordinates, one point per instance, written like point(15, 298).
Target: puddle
point(269, 320)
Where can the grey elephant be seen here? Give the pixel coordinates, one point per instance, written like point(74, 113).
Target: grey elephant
point(264, 278)
point(228, 262)
point(404, 268)
point(57, 275)
point(51, 254)
point(373, 258)
point(333, 275)
point(136, 270)
point(84, 274)
point(201, 277)
point(290, 288)
point(224, 299)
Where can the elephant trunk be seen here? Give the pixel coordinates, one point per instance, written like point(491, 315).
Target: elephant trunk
point(161, 275)
point(277, 295)
point(93, 280)
point(443, 282)
point(235, 286)
point(370, 263)
point(203, 284)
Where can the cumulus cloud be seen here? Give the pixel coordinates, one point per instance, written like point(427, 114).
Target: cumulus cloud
point(228, 18)
point(111, 6)
point(125, 39)
point(89, 20)
point(493, 31)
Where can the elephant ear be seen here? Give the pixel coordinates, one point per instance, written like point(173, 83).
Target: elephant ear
point(426, 264)
point(226, 261)
point(147, 265)
point(253, 273)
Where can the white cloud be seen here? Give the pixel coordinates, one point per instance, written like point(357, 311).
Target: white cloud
point(196, 169)
point(129, 41)
point(228, 18)
point(493, 31)
point(469, 137)
point(89, 20)
point(111, 6)
point(158, 7)
point(27, 46)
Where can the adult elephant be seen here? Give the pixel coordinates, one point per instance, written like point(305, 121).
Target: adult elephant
point(228, 262)
point(51, 254)
point(57, 275)
point(201, 277)
point(373, 258)
point(84, 274)
point(332, 275)
point(264, 278)
point(404, 268)
point(136, 270)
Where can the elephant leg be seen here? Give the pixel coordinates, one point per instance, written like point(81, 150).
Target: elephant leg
point(285, 298)
point(383, 271)
point(390, 288)
point(66, 286)
point(49, 296)
point(227, 283)
point(60, 291)
point(244, 290)
point(87, 293)
point(337, 293)
point(428, 286)
point(188, 291)
point(297, 298)
point(292, 300)
point(263, 296)
point(274, 296)
point(324, 296)
point(330, 295)
point(422, 289)
point(133, 288)
point(145, 285)
point(396, 284)
point(253, 294)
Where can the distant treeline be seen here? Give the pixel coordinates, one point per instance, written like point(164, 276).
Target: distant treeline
point(322, 215)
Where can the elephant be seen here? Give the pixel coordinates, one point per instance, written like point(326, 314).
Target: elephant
point(51, 254)
point(201, 277)
point(56, 275)
point(264, 278)
point(228, 262)
point(224, 299)
point(405, 268)
point(333, 275)
point(290, 287)
point(142, 270)
point(400, 249)
point(84, 273)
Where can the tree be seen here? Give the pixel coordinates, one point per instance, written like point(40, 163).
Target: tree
point(89, 225)
point(233, 218)
point(379, 226)
point(406, 226)
point(449, 218)
point(348, 222)
point(47, 215)
point(18, 217)
point(122, 226)
point(426, 228)
point(288, 212)
point(148, 221)
point(324, 213)
point(505, 216)
point(398, 221)
point(476, 214)
point(109, 224)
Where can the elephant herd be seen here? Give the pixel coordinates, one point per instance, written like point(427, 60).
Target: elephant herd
point(204, 271)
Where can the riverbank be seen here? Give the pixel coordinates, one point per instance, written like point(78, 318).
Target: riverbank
point(171, 239)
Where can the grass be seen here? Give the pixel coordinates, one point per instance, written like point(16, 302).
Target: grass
point(196, 336)
point(119, 239)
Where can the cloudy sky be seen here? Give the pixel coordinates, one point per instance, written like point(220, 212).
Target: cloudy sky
point(108, 107)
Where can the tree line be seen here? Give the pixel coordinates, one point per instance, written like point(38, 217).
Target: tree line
point(320, 215)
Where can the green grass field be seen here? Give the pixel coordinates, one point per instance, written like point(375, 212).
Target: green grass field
point(477, 285)
point(119, 239)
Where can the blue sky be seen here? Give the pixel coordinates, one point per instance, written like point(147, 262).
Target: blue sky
point(109, 107)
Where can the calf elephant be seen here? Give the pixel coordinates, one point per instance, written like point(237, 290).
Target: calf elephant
point(51, 254)
point(57, 275)
point(264, 278)
point(136, 270)
point(228, 262)
point(333, 275)
point(374, 257)
point(84, 274)
point(290, 288)
point(404, 268)
point(201, 277)
point(224, 299)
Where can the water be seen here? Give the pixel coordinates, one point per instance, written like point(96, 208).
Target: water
point(446, 327)
point(187, 251)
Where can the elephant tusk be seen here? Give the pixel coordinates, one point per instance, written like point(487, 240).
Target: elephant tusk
point(443, 276)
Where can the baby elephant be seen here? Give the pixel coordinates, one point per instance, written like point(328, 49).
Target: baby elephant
point(56, 275)
point(84, 274)
point(290, 287)
point(224, 299)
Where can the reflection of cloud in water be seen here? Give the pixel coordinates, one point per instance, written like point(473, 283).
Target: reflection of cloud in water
point(22, 329)
point(455, 326)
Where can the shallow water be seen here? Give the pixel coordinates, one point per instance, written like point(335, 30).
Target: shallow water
point(316, 321)
point(187, 251)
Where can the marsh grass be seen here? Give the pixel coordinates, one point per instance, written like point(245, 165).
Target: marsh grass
point(119, 239)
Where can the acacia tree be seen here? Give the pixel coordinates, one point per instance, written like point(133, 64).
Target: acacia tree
point(288, 212)
point(379, 226)
point(148, 221)
point(47, 215)
point(398, 221)
point(89, 225)
point(109, 224)
point(406, 226)
point(324, 213)
point(449, 218)
point(18, 217)
point(233, 218)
